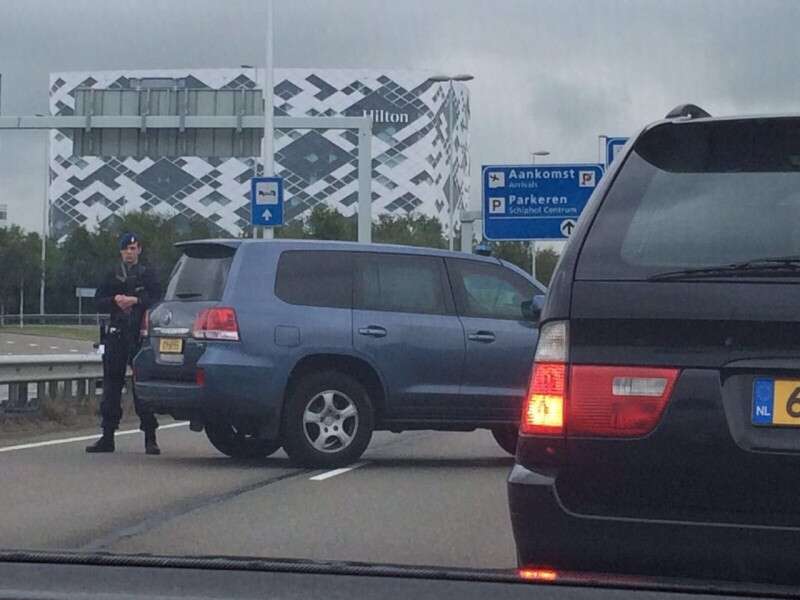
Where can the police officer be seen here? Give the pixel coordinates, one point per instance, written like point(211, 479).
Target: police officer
point(126, 293)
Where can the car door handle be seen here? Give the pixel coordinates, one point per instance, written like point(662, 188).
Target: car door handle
point(487, 337)
point(373, 331)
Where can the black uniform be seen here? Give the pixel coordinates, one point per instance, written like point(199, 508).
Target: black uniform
point(122, 337)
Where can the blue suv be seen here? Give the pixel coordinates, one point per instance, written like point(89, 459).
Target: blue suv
point(314, 345)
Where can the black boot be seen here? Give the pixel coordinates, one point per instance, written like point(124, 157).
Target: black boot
point(104, 444)
point(150, 445)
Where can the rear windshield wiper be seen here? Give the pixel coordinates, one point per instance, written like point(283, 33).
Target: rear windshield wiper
point(185, 295)
point(758, 266)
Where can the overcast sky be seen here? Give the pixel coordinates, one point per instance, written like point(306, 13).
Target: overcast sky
point(549, 74)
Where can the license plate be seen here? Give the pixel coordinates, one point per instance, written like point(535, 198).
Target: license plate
point(170, 345)
point(776, 402)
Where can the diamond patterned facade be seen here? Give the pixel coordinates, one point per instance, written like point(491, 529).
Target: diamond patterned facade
point(415, 150)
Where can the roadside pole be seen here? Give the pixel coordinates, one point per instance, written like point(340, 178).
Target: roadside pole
point(268, 142)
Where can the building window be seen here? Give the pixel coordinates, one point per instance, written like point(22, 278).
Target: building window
point(158, 83)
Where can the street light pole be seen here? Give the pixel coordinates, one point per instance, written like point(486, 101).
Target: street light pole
point(45, 211)
point(533, 242)
point(254, 232)
point(451, 192)
point(268, 142)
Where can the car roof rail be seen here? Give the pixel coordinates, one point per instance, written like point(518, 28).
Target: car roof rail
point(691, 111)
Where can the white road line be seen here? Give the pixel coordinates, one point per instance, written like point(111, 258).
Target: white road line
point(10, 342)
point(53, 347)
point(82, 438)
point(329, 474)
point(72, 350)
point(33, 345)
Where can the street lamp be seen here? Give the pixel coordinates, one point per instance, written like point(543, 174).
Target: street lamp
point(541, 153)
point(45, 218)
point(450, 105)
point(255, 160)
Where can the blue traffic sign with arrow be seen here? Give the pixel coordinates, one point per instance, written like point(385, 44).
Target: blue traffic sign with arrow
point(266, 201)
point(536, 202)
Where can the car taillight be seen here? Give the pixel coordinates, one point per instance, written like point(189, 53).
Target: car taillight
point(612, 401)
point(217, 323)
point(200, 377)
point(590, 400)
point(543, 409)
point(145, 326)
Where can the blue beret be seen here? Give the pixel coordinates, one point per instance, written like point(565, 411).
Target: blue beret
point(126, 239)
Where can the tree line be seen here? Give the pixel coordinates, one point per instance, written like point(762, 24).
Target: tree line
point(85, 257)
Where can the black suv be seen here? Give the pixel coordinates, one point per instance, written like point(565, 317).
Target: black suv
point(661, 432)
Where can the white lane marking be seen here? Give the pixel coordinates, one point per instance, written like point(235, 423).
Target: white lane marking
point(83, 438)
point(72, 350)
point(33, 345)
point(10, 342)
point(335, 472)
point(53, 347)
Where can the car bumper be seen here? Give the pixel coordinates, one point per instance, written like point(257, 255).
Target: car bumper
point(236, 387)
point(171, 397)
point(547, 534)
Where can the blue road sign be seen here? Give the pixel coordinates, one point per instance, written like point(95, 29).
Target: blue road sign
point(613, 146)
point(535, 202)
point(266, 201)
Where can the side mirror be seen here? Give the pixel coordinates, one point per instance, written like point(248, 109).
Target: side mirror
point(532, 309)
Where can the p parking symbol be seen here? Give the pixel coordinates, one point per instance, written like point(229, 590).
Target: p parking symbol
point(497, 206)
point(586, 179)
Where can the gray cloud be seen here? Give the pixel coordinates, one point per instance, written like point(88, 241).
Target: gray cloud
point(550, 74)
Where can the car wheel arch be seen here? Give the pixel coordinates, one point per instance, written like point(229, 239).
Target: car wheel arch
point(355, 366)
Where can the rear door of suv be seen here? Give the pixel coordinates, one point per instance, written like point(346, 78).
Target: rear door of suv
point(197, 282)
point(404, 323)
point(689, 268)
point(500, 341)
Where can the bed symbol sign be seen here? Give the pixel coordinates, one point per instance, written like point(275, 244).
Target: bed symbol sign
point(266, 201)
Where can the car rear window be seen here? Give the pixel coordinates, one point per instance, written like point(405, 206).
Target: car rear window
point(699, 194)
point(200, 273)
point(315, 278)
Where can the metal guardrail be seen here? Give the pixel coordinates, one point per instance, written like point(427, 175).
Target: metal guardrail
point(14, 320)
point(56, 376)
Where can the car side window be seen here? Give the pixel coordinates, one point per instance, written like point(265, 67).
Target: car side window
point(400, 283)
point(489, 291)
point(315, 278)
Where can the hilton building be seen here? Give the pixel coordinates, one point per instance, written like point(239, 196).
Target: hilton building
point(97, 175)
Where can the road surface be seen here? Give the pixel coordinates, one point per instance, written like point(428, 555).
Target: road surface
point(424, 498)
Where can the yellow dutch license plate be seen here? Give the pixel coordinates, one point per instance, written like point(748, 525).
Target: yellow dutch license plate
point(776, 402)
point(170, 345)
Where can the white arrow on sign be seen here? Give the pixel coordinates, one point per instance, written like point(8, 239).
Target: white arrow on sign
point(266, 214)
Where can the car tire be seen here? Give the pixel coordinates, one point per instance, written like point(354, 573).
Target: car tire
point(236, 444)
point(506, 437)
point(328, 420)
